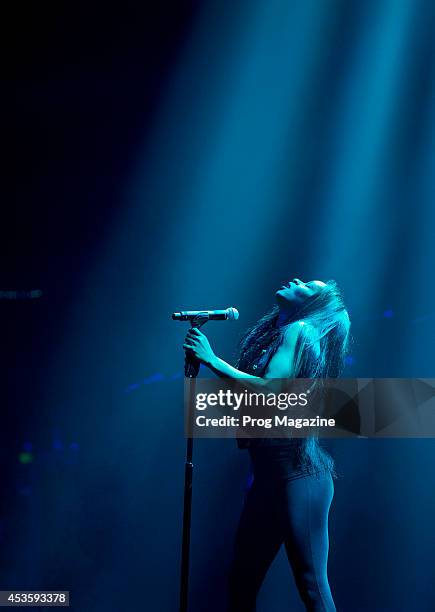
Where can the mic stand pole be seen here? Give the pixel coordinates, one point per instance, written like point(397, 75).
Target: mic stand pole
point(191, 369)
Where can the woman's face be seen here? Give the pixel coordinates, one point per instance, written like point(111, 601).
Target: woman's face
point(295, 292)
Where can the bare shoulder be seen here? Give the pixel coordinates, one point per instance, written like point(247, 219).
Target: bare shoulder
point(281, 363)
point(293, 332)
point(305, 330)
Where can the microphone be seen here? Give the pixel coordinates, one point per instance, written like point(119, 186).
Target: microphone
point(230, 314)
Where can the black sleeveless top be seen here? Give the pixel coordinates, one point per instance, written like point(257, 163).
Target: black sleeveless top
point(276, 458)
point(258, 368)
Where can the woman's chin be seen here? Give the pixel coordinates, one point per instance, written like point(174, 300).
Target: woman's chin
point(282, 297)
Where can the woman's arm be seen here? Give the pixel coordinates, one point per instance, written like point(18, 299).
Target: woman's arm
point(197, 344)
point(224, 370)
point(279, 366)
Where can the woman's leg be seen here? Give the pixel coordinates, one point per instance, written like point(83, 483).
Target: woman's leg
point(307, 502)
point(259, 536)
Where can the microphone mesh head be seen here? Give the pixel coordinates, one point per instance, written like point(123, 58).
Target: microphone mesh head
point(233, 314)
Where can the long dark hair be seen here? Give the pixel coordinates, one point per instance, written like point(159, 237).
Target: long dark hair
point(322, 344)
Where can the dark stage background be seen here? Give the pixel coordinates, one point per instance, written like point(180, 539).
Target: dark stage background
point(195, 155)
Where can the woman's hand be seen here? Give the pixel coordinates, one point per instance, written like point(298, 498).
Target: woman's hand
point(197, 344)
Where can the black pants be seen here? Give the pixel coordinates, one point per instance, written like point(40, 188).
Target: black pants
point(293, 512)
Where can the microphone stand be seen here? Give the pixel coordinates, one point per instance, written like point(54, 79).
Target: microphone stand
point(191, 370)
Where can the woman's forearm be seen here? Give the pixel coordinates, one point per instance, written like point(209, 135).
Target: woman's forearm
point(224, 370)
